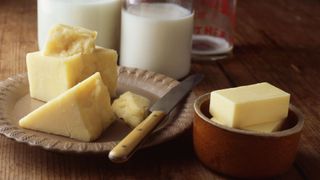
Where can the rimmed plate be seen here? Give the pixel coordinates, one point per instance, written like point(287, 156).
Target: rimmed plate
point(15, 102)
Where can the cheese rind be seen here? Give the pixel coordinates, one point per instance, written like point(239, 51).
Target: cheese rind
point(64, 40)
point(249, 105)
point(83, 112)
point(50, 76)
point(132, 108)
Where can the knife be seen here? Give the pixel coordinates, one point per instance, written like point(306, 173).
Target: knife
point(127, 146)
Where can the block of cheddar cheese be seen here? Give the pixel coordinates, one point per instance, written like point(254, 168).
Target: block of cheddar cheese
point(82, 112)
point(250, 105)
point(49, 76)
point(64, 40)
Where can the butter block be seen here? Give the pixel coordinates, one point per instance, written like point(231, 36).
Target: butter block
point(50, 76)
point(64, 40)
point(267, 127)
point(132, 108)
point(83, 112)
point(217, 121)
point(249, 105)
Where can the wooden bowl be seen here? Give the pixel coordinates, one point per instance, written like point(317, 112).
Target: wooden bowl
point(241, 153)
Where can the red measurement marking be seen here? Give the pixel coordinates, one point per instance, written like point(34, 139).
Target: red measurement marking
point(206, 3)
point(200, 14)
point(208, 30)
point(197, 29)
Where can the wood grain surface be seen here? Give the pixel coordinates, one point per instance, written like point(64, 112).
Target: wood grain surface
point(276, 41)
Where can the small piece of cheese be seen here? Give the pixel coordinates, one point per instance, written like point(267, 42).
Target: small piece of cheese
point(249, 105)
point(132, 108)
point(50, 76)
point(265, 127)
point(83, 112)
point(64, 40)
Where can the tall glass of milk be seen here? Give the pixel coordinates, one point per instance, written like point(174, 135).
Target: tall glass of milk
point(103, 16)
point(157, 36)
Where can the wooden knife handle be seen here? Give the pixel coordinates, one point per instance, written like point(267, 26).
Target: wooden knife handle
point(122, 151)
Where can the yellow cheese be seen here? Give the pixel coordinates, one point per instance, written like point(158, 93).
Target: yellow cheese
point(265, 127)
point(249, 105)
point(132, 108)
point(66, 40)
point(82, 112)
point(49, 76)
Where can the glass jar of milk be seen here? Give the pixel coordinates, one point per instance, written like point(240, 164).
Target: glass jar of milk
point(157, 36)
point(103, 16)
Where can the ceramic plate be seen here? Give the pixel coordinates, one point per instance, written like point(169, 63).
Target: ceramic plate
point(15, 102)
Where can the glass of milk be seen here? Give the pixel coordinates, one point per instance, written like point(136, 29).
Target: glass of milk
point(157, 35)
point(103, 16)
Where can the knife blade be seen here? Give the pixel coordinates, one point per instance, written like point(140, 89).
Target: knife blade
point(127, 146)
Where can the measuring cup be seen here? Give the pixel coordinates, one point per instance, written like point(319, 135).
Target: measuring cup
point(213, 29)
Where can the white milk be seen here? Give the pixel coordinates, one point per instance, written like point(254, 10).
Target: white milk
point(102, 16)
point(157, 37)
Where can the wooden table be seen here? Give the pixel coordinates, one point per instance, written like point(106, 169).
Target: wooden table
point(277, 41)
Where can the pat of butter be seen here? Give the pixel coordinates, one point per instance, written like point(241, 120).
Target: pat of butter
point(267, 127)
point(249, 105)
point(50, 76)
point(64, 40)
point(83, 112)
point(132, 108)
point(216, 120)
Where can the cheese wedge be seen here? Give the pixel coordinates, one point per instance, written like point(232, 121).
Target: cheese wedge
point(132, 108)
point(83, 112)
point(49, 76)
point(249, 105)
point(64, 40)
